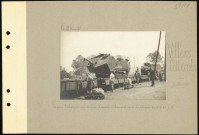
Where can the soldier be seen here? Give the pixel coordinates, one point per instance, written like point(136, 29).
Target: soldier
point(160, 77)
point(152, 76)
point(148, 75)
point(137, 76)
point(89, 80)
point(128, 83)
point(112, 76)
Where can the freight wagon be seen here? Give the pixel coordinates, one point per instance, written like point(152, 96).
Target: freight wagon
point(71, 88)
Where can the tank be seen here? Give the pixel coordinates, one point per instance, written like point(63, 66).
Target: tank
point(145, 68)
point(103, 64)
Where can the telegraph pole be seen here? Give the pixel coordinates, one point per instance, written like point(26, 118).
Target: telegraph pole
point(157, 53)
point(165, 62)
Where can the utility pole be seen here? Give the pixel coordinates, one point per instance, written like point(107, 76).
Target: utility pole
point(165, 62)
point(157, 53)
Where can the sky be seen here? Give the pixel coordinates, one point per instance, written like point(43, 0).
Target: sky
point(136, 45)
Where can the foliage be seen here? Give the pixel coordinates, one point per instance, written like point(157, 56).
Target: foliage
point(79, 65)
point(151, 57)
point(64, 74)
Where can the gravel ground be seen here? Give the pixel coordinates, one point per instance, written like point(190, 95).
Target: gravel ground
point(142, 91)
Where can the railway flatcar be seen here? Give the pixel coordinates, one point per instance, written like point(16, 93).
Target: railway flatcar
point(103, 64)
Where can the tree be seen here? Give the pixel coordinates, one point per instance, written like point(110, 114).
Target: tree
point(151, 57)
point(64, 74)
point(79, 65)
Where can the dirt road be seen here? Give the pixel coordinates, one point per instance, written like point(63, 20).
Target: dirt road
point(142, 91)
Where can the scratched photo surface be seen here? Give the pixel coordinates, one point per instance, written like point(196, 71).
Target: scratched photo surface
point(113, 65)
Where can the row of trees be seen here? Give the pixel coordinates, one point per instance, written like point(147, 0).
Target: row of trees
point(80, 65)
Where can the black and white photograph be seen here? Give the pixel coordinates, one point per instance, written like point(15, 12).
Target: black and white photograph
point(94, 67)
point(113, 65)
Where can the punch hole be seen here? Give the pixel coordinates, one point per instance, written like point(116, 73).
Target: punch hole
point(8, 47)
point(8, 90)
point(8, 32)
point(8, 104)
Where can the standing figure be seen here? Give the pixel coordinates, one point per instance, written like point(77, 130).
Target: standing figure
point(90, 83)
point(149, 75)
point(112, 76)
point(160, 77)
point(137, 76)
point(128, 83)
point(152, 76)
